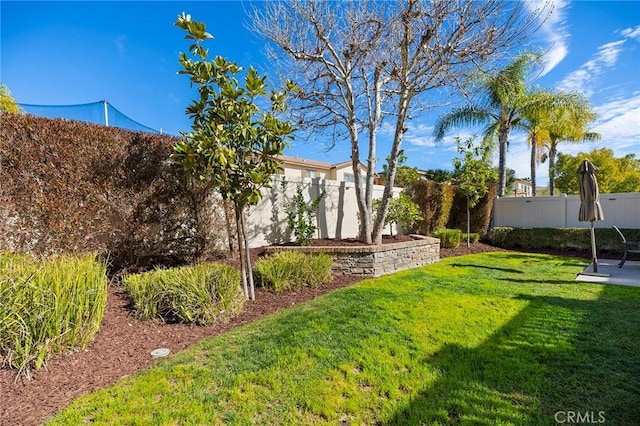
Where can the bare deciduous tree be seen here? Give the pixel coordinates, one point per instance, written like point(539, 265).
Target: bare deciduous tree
point(359, 63)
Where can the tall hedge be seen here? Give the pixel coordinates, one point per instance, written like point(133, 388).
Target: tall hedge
point(435, 201)
point(480, 214)
point(75, 187)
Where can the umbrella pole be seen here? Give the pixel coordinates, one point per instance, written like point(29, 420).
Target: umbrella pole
point(593, 249)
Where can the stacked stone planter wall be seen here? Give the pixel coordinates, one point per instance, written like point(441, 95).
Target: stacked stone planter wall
point(374, 261)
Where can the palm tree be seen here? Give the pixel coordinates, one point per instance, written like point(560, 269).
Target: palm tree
point(539, 115)
point(568, 124)
point(503, 96)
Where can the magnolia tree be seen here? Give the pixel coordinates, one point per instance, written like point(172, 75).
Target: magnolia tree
point(361, 63)
point(232, 144)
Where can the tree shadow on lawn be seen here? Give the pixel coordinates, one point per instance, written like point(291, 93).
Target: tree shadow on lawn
point(538, 282)
point(555, 355)
point(493, 268)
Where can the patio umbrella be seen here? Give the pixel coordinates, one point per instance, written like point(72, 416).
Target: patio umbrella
point(590, 208)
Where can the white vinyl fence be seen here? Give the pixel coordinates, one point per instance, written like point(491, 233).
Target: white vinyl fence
point(621, 210)
point(337, 215)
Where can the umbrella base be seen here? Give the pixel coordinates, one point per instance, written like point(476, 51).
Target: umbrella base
point(593, 266)
point(594, 274)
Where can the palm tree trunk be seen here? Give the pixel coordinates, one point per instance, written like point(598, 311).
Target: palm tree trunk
point(502, 161)
point(552, 169)
point(534, 163)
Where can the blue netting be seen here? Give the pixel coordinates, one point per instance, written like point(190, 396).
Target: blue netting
point(92, 113)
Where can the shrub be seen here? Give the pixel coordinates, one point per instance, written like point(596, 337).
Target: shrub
point(402, 211)
point(480, 214)
point(561, 238)
point(100, 189)
point(473, 237)
point(449, 238)
point(435, 201)
point(48, 306)
point(289, 270)
point(301, 216)
point(200, 294)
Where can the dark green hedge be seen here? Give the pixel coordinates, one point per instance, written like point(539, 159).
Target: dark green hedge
point(561, 238)
point(435, 200)
point(480, 214)
point(442, 207)
point(73, 187)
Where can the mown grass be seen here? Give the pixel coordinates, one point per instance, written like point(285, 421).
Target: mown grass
point(495, 339)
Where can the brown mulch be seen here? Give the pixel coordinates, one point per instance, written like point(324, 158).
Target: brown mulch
point(123, 346)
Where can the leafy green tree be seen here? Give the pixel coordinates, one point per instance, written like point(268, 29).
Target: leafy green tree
point(402, 211)
point(7, 102)
point(405, 175)
point(232, 144)
point(504, 97)
point(473, 173)
point(510, 179)
point(615, 174)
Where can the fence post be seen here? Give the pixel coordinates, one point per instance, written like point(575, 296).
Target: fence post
point(106, 112)
point(564, 210)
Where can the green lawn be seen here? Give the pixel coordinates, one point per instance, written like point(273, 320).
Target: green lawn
point(495, 338)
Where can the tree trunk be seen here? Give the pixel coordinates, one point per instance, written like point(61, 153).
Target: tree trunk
point(404, 101)
point(552, 169)
point(374, 119)
point(243, 269)
point(247, 257)
point(361, 196)
point(534, 163)
point(503, 138)
point(468, 224)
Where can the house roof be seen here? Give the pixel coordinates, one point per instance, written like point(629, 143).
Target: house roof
point(303, 162)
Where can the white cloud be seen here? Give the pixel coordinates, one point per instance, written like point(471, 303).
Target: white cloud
point(420, 135)
point(631, 33)
point(619, 124)
point(581, 80)
point(552, 30)
point(121, 45)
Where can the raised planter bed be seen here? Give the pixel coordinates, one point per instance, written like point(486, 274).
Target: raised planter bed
point(376, 260)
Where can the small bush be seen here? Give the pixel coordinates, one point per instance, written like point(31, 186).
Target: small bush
point(473, 237)
point(289, 270)
point(301, 215)
point(449, 238)
point(48, 306)
point(200, 294)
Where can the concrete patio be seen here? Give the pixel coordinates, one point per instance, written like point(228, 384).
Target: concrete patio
point(609, 273)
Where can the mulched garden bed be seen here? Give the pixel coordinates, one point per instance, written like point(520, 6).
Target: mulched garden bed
point(123, 346)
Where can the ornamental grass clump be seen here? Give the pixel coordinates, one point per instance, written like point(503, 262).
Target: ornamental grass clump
point(48, 306)
point(290, 270)
point(201, 294)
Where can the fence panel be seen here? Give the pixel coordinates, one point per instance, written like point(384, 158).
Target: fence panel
point(337, 215)
point(621, 209)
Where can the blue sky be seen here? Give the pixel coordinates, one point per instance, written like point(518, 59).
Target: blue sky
point(59, 53)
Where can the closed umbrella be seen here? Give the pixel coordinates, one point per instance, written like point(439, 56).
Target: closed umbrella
point(590, 208)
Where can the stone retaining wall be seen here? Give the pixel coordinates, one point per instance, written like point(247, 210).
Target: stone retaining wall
point(374, 261)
